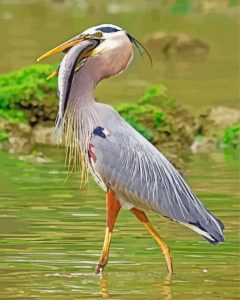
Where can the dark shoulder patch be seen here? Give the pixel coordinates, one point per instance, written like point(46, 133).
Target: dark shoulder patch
point(107, 29)
point(99, 131)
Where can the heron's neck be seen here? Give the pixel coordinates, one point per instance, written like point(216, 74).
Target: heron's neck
point(95, 69)
point(81, 106)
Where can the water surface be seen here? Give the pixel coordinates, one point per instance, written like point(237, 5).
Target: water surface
point(52, 234)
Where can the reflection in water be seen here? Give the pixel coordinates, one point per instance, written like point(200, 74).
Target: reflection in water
point(164, 287)
point(104, 286)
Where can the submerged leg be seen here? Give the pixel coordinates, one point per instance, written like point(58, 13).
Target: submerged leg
point(112, 207)
point(166, 251)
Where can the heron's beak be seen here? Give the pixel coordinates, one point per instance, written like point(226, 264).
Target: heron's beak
point(65, 46)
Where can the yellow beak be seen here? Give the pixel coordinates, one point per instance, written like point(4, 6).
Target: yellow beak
point(64, 46)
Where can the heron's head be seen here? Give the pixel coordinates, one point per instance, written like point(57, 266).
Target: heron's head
point(107, 46)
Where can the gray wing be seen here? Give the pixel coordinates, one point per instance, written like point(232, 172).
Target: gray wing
point(136, 170)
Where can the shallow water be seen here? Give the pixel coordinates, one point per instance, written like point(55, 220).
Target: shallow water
point(31, 27)
point(52, 234)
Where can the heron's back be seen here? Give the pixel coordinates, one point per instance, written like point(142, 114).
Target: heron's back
point(142, 177)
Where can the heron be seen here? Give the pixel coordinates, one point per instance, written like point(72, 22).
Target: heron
point(132, 172)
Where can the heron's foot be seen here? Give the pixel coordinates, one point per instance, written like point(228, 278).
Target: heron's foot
point(169, 277)
point(168, 257)
point(100, 265)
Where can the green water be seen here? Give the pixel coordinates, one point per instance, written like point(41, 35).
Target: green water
point(31, 27)
point(52, 233)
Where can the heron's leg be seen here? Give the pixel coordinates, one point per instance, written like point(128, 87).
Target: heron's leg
point(112, 207)
point(165, 249)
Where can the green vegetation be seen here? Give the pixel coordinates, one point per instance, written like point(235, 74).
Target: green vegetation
point(26, 96)
point(3, 136)
point(160, 120)
point(24, 89)
point(231, 136)
point(23, 97)
point(12, 115)
point(148, 114)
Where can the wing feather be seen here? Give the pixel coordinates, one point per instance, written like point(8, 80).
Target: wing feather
point(138, 172)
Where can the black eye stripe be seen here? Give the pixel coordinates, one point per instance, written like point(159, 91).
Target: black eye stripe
point(107, 29)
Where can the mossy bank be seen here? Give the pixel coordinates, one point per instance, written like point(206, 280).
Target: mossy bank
point(29, 105)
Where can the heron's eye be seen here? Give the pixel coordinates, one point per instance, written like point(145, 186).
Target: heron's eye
point(99, 34)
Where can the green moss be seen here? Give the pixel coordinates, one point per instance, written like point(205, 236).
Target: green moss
point(157, 95)
point(23, 94)
point(231, 136)
point(148, 115)
point(22, 87)
point(12, 115)
point(158, 117)
point(132, 113)
point(3, 136)
point(27, 96)
point(199, 138)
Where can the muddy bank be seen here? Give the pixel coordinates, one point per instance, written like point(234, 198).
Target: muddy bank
point(29, 104)
point(173, 130)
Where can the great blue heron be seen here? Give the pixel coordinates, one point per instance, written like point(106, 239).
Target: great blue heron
point(132, 172)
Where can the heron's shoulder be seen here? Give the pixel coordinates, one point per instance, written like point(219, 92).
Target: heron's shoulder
point(107, 114)
point(104, 107)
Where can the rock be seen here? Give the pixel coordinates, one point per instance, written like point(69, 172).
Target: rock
point(43, 135)
point(116, 8)
point(216, 119)
point(24, 128)
point(206, 145)
point(37, 157)
point(211, 127)
point(172, 44)
point(213, 6)
point(4, 145)
point(19, 144)
point(223, 117)
point(178, 133)
point(20, 138)
point(4, 125)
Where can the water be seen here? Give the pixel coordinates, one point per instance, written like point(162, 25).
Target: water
point(52, 234)
point(31, 27)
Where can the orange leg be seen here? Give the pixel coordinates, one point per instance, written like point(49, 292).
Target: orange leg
point(165, 249)
point(113, 207)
